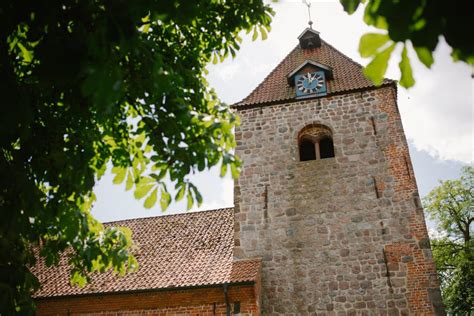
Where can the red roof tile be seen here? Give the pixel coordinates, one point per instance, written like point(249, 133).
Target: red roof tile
point(347, 73)
point(185, 250)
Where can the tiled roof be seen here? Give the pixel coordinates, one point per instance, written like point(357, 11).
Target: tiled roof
point(185, 250)
point(347, 73)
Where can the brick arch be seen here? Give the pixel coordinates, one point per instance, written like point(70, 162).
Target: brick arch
point(306, 125)
point(314, 132)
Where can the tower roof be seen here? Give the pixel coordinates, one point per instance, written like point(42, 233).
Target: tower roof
point(347, 75)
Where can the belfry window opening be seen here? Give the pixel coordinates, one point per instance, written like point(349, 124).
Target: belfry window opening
point(307, 150)
point(315, 143)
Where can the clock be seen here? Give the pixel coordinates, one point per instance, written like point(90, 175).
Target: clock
point(311, 83)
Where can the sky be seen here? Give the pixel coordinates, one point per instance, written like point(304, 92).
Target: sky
point(437, 113)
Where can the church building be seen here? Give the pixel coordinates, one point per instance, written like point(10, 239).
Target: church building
point(327, 219)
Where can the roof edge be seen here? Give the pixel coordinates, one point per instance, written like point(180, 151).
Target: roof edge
point(240, 106)
point(151, 290)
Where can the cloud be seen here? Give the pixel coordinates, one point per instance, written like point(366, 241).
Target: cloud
point(225, 198)
point(226, 72)
point(435, 233)
point(438, 112)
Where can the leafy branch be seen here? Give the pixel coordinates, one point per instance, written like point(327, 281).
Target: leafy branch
point(417, 26)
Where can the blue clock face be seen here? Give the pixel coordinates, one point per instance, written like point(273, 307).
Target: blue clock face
point(310, 83)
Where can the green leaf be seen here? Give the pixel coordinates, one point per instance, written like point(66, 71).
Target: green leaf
point(142, 190)
point(350, 6)
point(255, 34)
point(371, 42)
point(197, 194)
point(101, 170)
point(160, 175)
point(27, 55)
point(234, 171)
point(79, 279)
point(425, 56)
point(223, 169)
point(151, 199)
point(232, 51)
point(129, 183)
point(406, 79)
point(263, 32)
point(181, 191)
point(372, 15)
point(146, 28)
point(165, 199)
point(376, 69)
point(190, 200)
point(120, 173)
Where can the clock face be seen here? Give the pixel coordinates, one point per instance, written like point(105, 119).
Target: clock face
point(310, 83)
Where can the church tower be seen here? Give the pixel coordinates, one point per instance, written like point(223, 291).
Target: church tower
point(327, 195)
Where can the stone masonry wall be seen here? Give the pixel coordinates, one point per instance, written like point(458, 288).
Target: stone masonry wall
point(338, 236)
point(191, 302)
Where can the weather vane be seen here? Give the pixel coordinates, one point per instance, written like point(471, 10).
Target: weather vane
point(308, 4)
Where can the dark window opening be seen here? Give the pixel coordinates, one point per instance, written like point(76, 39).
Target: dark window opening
point(307, 150)
point(326, 148)
point(236, 307)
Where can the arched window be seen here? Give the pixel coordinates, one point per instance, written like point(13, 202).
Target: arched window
point(315, 142)
point(307, 150)
point(326, 148)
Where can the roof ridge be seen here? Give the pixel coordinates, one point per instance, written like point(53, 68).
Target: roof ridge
point(169, 215)
point(267, 76)
point(342, 54)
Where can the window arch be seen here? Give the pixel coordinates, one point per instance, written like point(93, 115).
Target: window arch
point(315, 142)
point(307, 150)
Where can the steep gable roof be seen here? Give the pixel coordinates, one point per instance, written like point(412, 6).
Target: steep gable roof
point(347, 74)
point(175, 251)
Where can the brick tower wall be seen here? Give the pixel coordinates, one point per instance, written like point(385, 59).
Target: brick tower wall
point(338, 236)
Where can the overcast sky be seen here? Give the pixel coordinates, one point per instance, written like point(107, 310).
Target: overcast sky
point(437, 113)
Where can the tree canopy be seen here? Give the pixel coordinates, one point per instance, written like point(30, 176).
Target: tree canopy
point(451, 206)
point(417, 25)
point(95, 83)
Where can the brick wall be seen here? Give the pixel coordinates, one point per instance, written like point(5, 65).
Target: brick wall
point(338, 236)
point(199, 301)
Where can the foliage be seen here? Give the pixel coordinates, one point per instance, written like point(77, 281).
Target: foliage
point(91, 83)
point(451, 205)
point(416, 24)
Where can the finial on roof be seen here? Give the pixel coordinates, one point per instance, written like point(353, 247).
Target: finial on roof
point(310, 37)
point(308, 4)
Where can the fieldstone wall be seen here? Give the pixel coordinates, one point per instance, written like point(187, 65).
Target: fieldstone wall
point(338, 236)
